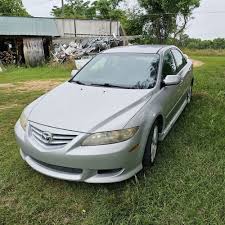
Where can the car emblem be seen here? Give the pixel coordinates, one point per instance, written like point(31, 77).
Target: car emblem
point(47, 137)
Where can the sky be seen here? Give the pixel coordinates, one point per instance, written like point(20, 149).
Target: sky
point(208, 21)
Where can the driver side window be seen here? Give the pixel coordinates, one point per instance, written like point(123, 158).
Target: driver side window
point(169, 65)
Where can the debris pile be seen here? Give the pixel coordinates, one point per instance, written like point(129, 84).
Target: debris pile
point(76, 50)
point(6, 57)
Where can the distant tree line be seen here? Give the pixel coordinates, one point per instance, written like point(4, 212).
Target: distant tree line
point(186, 42)
point(192, 43)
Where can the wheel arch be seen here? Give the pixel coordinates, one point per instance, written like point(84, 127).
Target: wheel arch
point(160, 121)
point(192, 82)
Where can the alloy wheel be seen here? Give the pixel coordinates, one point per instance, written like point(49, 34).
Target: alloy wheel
point(154, 144)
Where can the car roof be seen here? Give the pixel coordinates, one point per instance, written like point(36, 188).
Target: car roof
point(152, 49)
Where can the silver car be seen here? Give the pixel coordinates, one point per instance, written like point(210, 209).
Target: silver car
point(104, 124)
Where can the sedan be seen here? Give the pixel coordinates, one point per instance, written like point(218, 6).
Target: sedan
point(104, 124)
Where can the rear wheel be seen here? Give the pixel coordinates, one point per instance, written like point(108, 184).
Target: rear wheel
point(151, 146)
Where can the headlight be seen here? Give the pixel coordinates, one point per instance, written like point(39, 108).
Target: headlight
point(110, 137)
point(23, 120)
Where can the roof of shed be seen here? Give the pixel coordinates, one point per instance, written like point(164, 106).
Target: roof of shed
point(28, 26)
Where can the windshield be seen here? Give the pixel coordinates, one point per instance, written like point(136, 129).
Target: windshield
point(120, 70)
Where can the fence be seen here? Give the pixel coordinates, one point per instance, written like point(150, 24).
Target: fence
point(69, 28)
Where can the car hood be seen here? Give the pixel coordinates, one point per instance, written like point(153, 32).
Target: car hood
point(87, 108)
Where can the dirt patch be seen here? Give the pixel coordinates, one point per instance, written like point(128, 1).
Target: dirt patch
point(8, 201)
point(197, 63)
point(6, 107)
point(7, 85)
point(37, 85)
point(201, 94)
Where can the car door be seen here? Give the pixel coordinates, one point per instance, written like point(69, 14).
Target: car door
point(183, 71)
point(168, 96)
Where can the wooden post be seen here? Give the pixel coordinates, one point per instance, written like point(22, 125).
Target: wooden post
point(63, 11)
point(110, 27)
point(75, 28)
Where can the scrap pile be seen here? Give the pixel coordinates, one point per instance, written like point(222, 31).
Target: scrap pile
point(77, 50)
point(6, 57)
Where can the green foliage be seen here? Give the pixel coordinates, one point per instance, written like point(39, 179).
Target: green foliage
point(133, 24)
point(107, 9)
point(79, 9)
point(189, 43)
point(162, 16)
point(204, 52)
point(218, 43)
point(12, 8)
point(102, 9)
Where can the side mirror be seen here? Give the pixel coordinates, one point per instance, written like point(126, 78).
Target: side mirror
point(172, 80)
point(74, 72)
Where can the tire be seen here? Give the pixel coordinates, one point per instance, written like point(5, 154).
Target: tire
point(151, 146)
point(189, 94)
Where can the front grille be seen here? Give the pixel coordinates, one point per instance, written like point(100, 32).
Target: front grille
point(59, 168)
point(57, 140)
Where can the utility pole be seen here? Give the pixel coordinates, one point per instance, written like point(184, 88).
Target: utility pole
point(62, 15)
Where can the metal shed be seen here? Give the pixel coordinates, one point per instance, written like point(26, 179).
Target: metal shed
point(28, 26)
point(26, 39)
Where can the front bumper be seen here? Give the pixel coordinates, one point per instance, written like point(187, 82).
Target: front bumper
point(93, 164)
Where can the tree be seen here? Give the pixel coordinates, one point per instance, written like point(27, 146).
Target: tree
point(133, 24)
point(12, 8)
point(79, 9)
point(167, 18)
point(107, 9)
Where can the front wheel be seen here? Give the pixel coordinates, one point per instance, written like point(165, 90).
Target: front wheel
point(151, 146)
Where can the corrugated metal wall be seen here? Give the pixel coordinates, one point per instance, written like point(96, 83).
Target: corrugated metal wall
point(28, 26)
point(79, 28)
point(66, 28)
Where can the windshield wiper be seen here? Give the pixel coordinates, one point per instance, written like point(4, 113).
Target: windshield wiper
point(102, 85)
point(110, 85)
point(78, 82)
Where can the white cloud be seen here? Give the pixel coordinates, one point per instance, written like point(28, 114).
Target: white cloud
point(208, 20)
point(40, 8)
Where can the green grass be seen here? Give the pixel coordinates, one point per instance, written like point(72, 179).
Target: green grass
point(185, 186)
point(12, 74)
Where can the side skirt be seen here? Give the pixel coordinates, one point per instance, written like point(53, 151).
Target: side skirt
point(172, 122)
